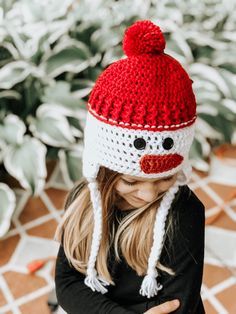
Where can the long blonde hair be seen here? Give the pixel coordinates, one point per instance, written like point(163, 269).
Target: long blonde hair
point(133, 238)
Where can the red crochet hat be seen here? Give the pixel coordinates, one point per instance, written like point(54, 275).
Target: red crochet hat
point(149, 90)
point(140, 122)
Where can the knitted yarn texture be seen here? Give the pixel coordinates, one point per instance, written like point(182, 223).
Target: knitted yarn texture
point(140, 122)
point(148, 90)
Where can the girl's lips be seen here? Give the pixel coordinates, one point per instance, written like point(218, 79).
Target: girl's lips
point(138, 199)
point(159, 163)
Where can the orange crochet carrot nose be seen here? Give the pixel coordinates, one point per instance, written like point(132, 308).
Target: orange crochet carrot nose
point(38, 264)
point(158, 163)
point(35, 265)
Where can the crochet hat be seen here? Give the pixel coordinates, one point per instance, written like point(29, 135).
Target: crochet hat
point(140, 122)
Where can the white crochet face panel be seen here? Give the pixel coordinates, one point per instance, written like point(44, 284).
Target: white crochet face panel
point(115, 148)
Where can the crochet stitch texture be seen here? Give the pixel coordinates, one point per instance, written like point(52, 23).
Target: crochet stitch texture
point(148, 90)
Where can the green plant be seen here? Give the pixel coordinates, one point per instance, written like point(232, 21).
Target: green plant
point(52, 52)
point(202, 38)
point(50, 55)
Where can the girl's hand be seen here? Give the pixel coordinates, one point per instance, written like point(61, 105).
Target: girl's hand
point(164, 308)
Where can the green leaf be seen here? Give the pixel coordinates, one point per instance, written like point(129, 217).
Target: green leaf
point(221, 124)
point(196, 156)
point(8, 202)
point(93, 73)
point(221, 59)
point(173, 49)
point(183, 45)
point(71, 164)
point(111, 55)
point(60, 93)
point(230, 79)
point(224, 107)
point(75, 123)
point(207, 130)
point(74, 58)
point(211, 74)
point(205, 91)
point(230, 104)
point(26, 163)
point(10, 94)
point(12, 130)
point(13, 73)
point(201, 40)
point(8, 52)
point(3, 146)
point(196, 150)
point(51, 127)
point(103, 39)
point(82, 87)
point(58, 109)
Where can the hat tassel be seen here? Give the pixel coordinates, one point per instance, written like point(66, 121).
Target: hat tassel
point(149, 286)
point(96, 283)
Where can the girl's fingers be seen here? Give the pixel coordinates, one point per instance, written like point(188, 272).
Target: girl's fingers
point(166, 307)
point(169, 306)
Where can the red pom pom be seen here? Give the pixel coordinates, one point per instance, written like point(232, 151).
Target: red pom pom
point(143, 37)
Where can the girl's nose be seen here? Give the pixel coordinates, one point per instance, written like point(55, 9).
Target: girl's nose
point(148, 192)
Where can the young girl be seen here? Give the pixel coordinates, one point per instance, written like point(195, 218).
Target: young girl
point(132, 236)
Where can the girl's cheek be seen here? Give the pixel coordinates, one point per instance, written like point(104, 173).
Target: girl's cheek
point(164, 186)
point(127, 189)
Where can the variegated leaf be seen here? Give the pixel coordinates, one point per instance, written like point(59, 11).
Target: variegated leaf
point(7, 206)
point(67, 56)
point(211, 74)
point(13, 73)
point(52, 127)
point(12, 130)
point(71, 164)
point(26, 163)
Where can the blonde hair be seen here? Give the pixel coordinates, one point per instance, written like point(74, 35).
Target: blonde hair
point(133, 238)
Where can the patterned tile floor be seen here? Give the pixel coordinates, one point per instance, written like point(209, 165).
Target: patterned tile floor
point(33, 227)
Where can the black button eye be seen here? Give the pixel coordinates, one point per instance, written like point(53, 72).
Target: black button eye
point(139, 143)
point(168, 143)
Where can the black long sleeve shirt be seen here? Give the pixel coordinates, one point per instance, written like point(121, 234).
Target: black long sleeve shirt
point(183, 253)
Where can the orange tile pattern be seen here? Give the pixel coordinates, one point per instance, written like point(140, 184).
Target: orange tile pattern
point(3, 301)
point(57, 197)
point(209, 308)
point(33, 227)
point(44, 230)
point(7, 247)
point(214, 275)
point(33, 209)
point(21, 284)
point(227, 298)
point(39, 305)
